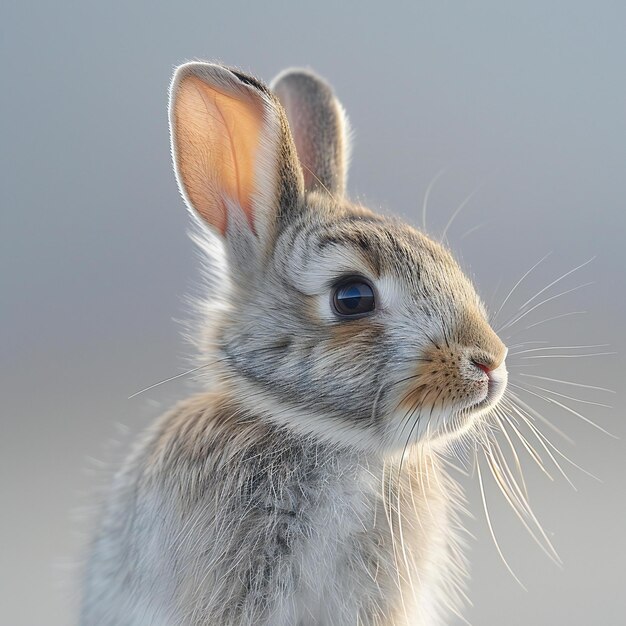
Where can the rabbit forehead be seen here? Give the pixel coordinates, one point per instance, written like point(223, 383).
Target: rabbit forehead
point(394, 256)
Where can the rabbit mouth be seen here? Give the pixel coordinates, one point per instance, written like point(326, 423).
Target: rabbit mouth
point(449, 421)
point(495, 390)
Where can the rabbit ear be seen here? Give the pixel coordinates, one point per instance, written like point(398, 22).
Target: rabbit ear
point(233, 154)
point(319, 126)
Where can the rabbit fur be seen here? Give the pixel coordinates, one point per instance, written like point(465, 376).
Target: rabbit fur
point(306, 485)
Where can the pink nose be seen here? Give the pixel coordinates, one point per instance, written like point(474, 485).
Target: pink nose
point(483, 367)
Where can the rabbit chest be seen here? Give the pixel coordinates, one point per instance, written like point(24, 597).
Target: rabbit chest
point(219, 518)
point(279, 529)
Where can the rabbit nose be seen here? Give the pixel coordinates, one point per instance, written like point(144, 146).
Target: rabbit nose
point(482, 366)
point(488, 363)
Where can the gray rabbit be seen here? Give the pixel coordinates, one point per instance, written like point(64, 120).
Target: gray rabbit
point(344, 354)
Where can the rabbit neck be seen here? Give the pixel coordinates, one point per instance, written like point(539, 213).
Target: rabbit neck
point(371, 522)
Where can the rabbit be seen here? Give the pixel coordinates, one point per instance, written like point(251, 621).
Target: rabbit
point(343, 353)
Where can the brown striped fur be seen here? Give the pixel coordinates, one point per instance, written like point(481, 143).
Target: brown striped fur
point(307, 484)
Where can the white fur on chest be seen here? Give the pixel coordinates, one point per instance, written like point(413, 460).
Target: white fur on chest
point(347, 511)
point(363, 564)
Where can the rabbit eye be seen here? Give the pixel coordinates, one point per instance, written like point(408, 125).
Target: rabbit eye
point(353, 297)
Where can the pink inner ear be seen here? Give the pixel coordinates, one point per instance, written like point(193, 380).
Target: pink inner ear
point(217, 136)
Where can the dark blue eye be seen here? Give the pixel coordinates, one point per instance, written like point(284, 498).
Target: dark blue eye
point(353, 297)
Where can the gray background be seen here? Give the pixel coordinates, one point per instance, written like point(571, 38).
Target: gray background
point(525, 100)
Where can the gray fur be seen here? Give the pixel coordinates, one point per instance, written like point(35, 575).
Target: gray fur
point(307, 485)
point(319, 127)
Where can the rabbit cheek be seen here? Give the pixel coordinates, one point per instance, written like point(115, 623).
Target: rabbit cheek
point(354, 335)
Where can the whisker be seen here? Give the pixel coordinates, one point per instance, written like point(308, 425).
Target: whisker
point(543, 349)
point(473, 229)
point(509, 495)
point(558, 295)
point(375, 402)
point(520, 409)
point(388, 509)
point(461, 470)
point(545, 442)
point(489, 524)
point(459, 209)
point(568, 382)
point(310, 171)
point(570, 410)
point(569, 356)
point(167, 380)
point(562, 395)
point(554, 282)
point(521, 345)
point(555, 317)
point(196, 369)
point(544, 321)
point(518, 283)
point(404, 422)
point(438, 175)
point(527, 445)
point(405, 556)
point(518, 465)
point(538, 416)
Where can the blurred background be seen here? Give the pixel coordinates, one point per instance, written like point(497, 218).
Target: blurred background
point(517, 110)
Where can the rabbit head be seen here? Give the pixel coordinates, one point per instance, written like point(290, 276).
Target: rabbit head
point(338, 322)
